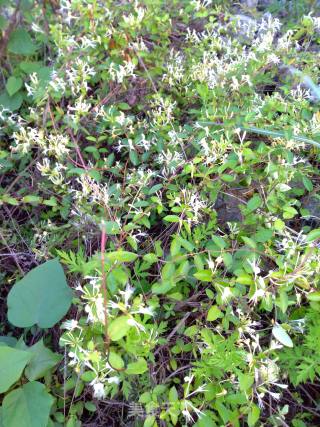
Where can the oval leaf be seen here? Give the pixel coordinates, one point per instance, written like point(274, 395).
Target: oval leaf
point(118, 328)
point(171, 218)
point(214, 313)
point(137, 368)
point(314, 296)
point(281, 335)
point(313, 235)
point(121, 256)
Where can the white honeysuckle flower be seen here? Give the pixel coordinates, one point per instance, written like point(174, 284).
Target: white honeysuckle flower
point(98, 391)
point(70, 325)
point(113, 380)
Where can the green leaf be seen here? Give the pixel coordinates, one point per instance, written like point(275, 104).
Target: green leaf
point(253, 415)
point(254, 203)
point(134, 157)
point(186, 244)
point(307, 183)
point(154, 189)
point(204, 275)
point(263, 235)
point(30, 67)
point(150, 421)
point(8, 341)
point(137, 368)
point(112, 228)
point(42, 297)
point(283, 301)
point(173, 394)
point(13, 85)
point(150, 258)
point(27, 406)
point(94, 174)
point(118, 328)
point(314, 296)
point(214, 313)
point(313, 235)
point(219, 242)
point(11, 103)
point(171, 218)
point(121, 256)
point(245, 381)
point(32, 199)
point(42, 361)
point(175, 247)
point(115, 360)
point(12, 364)
point(20, 43)
point(289, 212)
point(3, 22)
point(88, 376)
point(162, 287)
point(281, 335)
point(90, 406)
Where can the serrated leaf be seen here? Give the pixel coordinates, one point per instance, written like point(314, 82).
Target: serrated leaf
point(281, 335)
point(27, 406)
point(42, 361)
point(42, 297)
point(12, 363)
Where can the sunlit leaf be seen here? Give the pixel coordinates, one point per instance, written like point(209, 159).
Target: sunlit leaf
point(281, 335)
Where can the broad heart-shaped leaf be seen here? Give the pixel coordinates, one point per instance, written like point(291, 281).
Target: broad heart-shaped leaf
point(43, 359)
point(27, 406)
point(281, 335)
point(12, 364)
point(42, 297)
point(20, 43)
